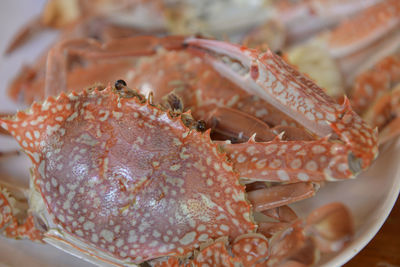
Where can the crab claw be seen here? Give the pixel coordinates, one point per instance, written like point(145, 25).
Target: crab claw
point(269, 77)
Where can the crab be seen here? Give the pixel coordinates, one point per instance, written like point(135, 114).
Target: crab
point(120, 179)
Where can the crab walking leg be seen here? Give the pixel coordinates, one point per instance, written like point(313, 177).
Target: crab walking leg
point(14, 223)
point(269, 77)
point(293, 245)
point(374, 82)
point(382, 113)
point(35, 26)
point(60, 57)
point(305, 18)
point(365, 28)
point(246, 250)
point(15, 220)
point(327, 229)
point(4, 132)
point(391, 131)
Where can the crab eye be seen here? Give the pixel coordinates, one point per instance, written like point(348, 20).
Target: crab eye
point(119, 84)
point(201, 126)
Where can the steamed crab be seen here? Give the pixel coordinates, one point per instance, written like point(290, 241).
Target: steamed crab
point(120, 179)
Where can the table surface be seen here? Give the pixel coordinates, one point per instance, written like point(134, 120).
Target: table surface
point(384, 249)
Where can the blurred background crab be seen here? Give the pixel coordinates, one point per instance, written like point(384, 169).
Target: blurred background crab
point(320, 47)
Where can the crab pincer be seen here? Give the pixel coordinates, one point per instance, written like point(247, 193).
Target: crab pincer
point(346, 144)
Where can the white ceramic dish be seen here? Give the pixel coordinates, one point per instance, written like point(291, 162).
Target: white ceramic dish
point(370, 197)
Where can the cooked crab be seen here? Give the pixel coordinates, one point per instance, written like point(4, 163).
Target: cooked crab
point(116, 178)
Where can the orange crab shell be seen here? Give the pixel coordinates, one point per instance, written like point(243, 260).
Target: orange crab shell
point(127, 179)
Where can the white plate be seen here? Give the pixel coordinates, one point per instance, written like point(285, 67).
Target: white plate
point(370, 197)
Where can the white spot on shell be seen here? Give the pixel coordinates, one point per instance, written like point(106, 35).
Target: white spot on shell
point(175, 167)
point(303, 177)
point(270, 149)
point(88, 225)
point(311, 165)
point(295, 164)
point(283, 175)
point(95, 238)
point(241, 158)
point(261, 163)
point(107, 235)
point(318, 149)
point(188, 238)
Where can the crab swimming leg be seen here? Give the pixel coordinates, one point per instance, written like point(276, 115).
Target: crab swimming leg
point(347, 145)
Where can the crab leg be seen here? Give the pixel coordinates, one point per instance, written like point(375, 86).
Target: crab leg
point(13, 222)
point(293, 245)
point(372, 83)
point(270, 78)
point(60, 57)
point(283, 215)
point(365, 28)
point(385, 115)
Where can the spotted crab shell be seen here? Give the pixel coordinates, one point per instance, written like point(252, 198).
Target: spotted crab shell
point(122, 181)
